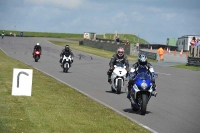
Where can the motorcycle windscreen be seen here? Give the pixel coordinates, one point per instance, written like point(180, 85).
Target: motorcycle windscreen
point(67, 54)
point(120, 64)
point(37, 49)
point(141, 78)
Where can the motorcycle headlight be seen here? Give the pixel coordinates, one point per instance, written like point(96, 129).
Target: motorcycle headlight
point(144, 85)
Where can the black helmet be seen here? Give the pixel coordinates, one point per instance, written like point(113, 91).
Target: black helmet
point(142, 59)
point(67, 47)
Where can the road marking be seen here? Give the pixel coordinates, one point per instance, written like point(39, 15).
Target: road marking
point(163, 73)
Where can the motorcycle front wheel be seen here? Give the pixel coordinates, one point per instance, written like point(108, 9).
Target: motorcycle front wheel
point(119, 85)
point(143, 104)
point(36, 58)
point(65, 68)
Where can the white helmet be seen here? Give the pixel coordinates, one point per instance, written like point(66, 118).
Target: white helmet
point(120, 51)
point(38, 44)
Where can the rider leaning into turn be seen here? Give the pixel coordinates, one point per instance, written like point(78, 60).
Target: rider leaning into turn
point(38, 48)
point(142, 63)
point(66, 50)
point(116, 58)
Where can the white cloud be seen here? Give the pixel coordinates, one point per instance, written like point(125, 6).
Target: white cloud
point(169, 16)
point(136, 16)
point(62, 3)
point(68, 24)
point(119, 16)
point(155, 9)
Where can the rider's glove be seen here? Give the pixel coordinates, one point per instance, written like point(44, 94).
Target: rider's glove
point(109, 72)
point(60, 60)
point(154, 85)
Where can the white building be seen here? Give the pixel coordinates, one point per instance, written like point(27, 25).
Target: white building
point(184, 42)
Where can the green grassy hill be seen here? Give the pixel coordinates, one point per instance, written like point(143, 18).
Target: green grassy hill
point(131, 38)
point(123, 37)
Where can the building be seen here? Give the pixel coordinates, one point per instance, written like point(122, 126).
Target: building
point(184, 42)
point(171, 41)
point(89, 35)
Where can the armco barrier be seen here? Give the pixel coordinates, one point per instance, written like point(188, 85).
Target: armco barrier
point(150, 55)
point(157, 46)
point(193, 61)
point(107, 45)
point(194, 56)
point(111, 46)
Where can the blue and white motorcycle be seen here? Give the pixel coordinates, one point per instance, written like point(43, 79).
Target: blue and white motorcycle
point(141, 91)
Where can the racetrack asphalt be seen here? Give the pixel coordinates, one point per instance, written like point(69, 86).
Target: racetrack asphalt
point(174, 110)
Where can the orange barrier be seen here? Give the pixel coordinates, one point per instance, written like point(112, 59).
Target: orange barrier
point(174, 52)
point(169, 52)
point(186, 54)
point(164, 51)
point(181, 53)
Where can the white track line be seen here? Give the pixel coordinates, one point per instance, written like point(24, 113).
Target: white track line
point(90, 97)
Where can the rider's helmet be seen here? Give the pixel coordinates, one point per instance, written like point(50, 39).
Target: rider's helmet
point(120, 52)
point(67, 48)
point(142, 59)
point(37, 44)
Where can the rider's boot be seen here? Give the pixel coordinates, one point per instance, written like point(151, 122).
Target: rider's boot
point(109, 76)
point(154, 92)
point(109, 79)
point(129, 91)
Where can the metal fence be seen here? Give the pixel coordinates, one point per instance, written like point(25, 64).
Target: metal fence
point(150, 55)
point(194, 56)
point(193, 61)
point(157, 46)
point(194, 51)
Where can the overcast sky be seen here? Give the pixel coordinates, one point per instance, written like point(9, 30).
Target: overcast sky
point(153, 20)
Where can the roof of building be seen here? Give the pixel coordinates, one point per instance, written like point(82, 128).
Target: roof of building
point(190, 35)
point(90, 32)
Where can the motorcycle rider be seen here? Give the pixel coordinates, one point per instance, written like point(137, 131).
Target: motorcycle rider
point(2, 34)
point(116, 58)
point(38, 48)
point(142, 63)
point(66, 50)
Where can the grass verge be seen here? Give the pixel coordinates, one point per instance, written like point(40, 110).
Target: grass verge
point(53, 107)
point(94, 51)
point(184, 66)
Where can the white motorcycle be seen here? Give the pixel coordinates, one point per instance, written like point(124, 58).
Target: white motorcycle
point(65, 63)
point(118, 77)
